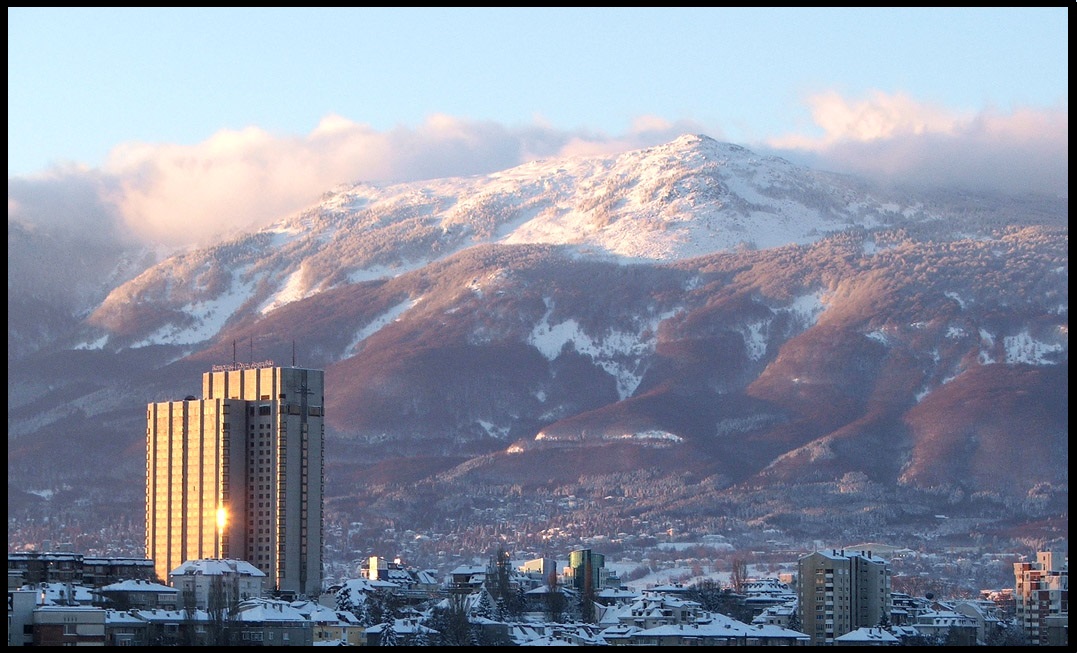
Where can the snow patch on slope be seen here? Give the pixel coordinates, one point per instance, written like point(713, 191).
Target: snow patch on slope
point(1023, 348)
point(617, 352)
point(377, 323)
point(293, 290)
point(209, 318)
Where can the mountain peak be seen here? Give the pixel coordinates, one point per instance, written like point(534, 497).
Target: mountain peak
point(690, 197)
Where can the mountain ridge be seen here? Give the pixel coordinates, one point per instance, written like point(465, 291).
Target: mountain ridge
point(690, 197)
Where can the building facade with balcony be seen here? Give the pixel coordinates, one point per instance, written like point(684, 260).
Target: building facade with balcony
point(840, 592)
point(1042, 598)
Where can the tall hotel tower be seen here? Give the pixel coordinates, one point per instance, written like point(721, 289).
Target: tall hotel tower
point(239, 474)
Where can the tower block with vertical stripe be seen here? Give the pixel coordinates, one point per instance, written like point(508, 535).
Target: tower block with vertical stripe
point(238, 474)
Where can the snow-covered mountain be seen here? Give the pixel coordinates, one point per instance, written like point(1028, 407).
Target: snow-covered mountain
point(690, 197)
point(693, 315)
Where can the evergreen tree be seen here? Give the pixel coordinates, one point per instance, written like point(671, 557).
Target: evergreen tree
point(374, 609)
point(344, 601)
point(363, 614)
point(449, 622)
point(794, 619)
point(484, 606)
point(420, 638)
point(388, 631)
point(517, 605)
point(501, 609)
point(884, 622)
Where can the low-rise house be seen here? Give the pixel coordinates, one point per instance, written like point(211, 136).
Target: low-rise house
point(654, 610)
point(215, 584)
point(763, 593)
point(984, 612)
point(410, 585)
point(137, 594)
point(710, 630)
point(777, 615)
point(406, 632)
point(69, 625)
point(467, 578)
point(269, 622)
point(947, 626)
point(62, 594)
point(329, 625)
point(178, 627)
point(126, 628)
point(867, 637)
point(616, 596)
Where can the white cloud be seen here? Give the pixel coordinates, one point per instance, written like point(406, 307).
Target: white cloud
point(901, 140)
point(181, 195)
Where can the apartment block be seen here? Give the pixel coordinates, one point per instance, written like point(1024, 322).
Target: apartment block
point(1042, 598)
point(839, 592)
point(238, 474)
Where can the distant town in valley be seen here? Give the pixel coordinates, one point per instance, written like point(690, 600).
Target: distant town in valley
point(238, 552)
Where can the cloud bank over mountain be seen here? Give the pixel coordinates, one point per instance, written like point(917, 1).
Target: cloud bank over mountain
point(176, 196)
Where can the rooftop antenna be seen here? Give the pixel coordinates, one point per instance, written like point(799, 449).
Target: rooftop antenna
point(293, 352)
point(233, 354)
point(252, 348)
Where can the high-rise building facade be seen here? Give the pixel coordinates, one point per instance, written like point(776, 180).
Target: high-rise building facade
point(238, 474)
point(838, 593)
point(587, 570)
point(1042, 598)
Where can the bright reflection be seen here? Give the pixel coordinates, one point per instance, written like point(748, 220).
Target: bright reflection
point(222, 518)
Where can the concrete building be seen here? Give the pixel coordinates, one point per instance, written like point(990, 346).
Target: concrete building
point(137, 595)
point(33, 567)
point(587, 571)
point(69, 625)
point(216, 584)
point(20, 616)
point(238, 474)
point(838, 593)
point(1042, 596)
point(867, 637)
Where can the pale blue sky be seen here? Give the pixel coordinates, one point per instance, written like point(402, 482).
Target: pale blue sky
point(394, 94)
point(83, 80)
